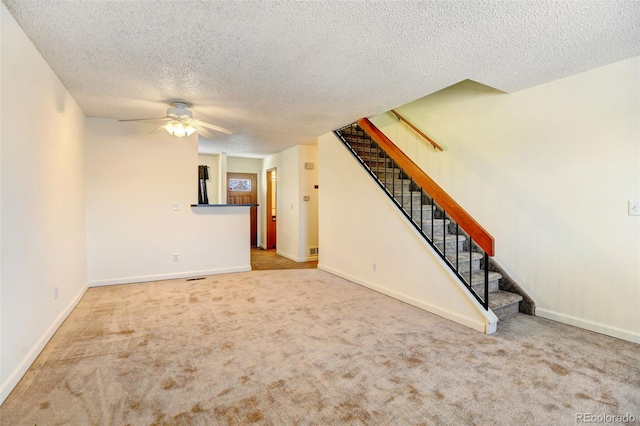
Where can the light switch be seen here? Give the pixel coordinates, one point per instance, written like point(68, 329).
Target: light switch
point(634, 208)
point(305, 198)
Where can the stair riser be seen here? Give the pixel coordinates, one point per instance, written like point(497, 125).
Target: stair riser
point(375, 168)
point(366, 148)
point(351, 136)
point(416, 215)
point(463, 267)
point(388, 179)
point(398, 187)
point(397, 181)
point(379, 160)
point(404, 194)
point(374, 157)
point(360, 145)
point(408, 196)
point(437, 230)
point(451, 246)
point(356, 136)
point(377, 165)
point(436, 226)
point(493, 286)
point(409, 204)
point(507, 310)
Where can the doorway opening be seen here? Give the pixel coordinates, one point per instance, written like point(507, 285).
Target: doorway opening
point(242, 189)
point(271, 208)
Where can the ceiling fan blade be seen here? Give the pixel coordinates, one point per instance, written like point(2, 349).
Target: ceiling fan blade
point(157, 129)
point(202, 131)
point(158, 120)
point(213, 127)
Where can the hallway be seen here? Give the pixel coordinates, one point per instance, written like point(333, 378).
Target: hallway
point(268, 260)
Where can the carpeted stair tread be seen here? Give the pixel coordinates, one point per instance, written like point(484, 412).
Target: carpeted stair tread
point(500, 300)
point(477, 277)
point(398, 182)
point(436, 223)
point(438, 239)
point(464, 257)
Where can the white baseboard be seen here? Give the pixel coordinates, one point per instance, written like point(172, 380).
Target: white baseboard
point(160, 277)
point(31, 356)
point(616, 332)
point(296, 258)
point(488, 327)
point(287, 255)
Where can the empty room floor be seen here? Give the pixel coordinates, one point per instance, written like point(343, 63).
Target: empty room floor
point(307, 347)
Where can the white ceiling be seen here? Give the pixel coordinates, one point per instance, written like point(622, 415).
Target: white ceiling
point(282, 73)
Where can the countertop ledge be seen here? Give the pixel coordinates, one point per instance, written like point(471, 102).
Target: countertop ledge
point(223, 205)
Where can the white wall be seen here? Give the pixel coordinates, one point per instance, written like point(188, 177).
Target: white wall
point(133, 179)
point(287, 209)
point(43, 235)
point(245, 165)
point(307, 178)
point(548, 172)
point(296, 223)
point(360, 226)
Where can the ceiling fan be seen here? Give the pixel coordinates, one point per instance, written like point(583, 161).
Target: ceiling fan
point(180, 122)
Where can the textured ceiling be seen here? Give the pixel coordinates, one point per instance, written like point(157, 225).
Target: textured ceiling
point(282, 73)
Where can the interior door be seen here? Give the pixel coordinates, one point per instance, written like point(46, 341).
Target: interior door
point(242, 188)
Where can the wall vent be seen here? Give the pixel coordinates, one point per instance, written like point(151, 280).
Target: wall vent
point(313, 251)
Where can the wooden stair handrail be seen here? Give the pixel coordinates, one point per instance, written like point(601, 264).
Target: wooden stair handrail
point(415, 129)
point(444, 200)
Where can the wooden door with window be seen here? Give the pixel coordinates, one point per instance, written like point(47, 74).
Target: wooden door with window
point(242, 188)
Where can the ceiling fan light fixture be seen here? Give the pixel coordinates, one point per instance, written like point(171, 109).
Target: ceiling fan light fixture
point(178, 129)
point(179, 122)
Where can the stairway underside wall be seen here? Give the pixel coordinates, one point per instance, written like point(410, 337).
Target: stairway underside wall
point(366, 239)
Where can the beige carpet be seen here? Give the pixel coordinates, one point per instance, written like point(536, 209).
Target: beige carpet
point(306, 347)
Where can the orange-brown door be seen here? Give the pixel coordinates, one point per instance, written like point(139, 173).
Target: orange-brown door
point(242, 189)
point(271, 208)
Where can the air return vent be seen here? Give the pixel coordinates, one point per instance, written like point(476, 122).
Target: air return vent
point(313, 251)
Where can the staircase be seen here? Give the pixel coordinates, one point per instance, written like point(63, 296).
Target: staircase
point(462, 255)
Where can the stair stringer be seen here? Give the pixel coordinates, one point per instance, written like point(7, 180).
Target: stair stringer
point(360, 226)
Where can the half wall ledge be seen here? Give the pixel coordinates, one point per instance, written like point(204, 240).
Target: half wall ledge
point(224, 205)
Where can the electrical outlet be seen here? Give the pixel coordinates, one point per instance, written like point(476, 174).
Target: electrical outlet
point(176, 207)
point(375, 267)
point(55, 293)
point(634, 208)
point(175, 257)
